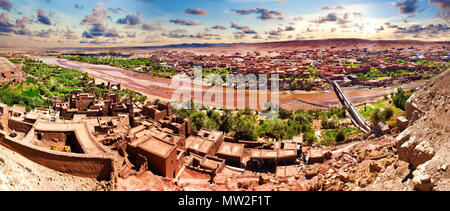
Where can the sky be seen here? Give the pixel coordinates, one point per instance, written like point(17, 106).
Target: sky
point(115, 23)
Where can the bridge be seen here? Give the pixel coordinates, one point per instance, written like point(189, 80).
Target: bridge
point(357, 119)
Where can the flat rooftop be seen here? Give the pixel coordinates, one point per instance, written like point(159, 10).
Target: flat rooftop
point(231, 149)
point(157, 147)
point(263, 154)
point(198, 144)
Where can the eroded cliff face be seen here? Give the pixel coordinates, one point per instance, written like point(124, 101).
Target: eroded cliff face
point(425, 145)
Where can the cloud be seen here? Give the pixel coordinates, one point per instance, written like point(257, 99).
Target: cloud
point(444, 5)
point(131, 20)
point(244, 11)
point(185, 22)
point(257, 37)
point(196, 11)
point(130, 34)
point(407, 6)
point(249, 31)
point(297, 18)
point(5, 4)
point(42, 17)
point(19, 28)
point(45, 33)
point(205, 35)
point(338, 7)
point(416, 28)
point(22, 22)
point(263, 13)
point(379, 29)
point(78, 6)
point(238, 27)
point(5, 25)
point(150, 27)
point(117, 10)
point(333, 17)
point(221, 27)
point(289, 28)
point(69, 34)
point(280, 31)
point(97, 16)
point(100, 30)
point(177, 33)
point(238, 35)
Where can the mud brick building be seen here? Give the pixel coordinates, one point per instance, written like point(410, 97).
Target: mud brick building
point(158, 110)
point(161, 153)
point(232, 153)
point(206, 142)
point(177, 124)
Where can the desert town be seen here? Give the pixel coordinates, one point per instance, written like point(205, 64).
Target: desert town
point(146, 146)
point(304, 70)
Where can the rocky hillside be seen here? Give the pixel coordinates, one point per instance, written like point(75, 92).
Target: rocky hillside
point(425, 145)
point(10, 72)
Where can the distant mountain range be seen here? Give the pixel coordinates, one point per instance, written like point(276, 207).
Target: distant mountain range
point(339, 44)
point(184, 45)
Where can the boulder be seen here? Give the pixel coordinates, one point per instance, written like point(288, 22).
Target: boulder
point(405, 149)
point(402, 138)
point(361, 156)
point(422, 153)
point(415, 152)
point(421, 180)
point(402, 123)
point(311, 171)
point(375, 166)
point(327, 155)
point(344, 177)
point(316, 155)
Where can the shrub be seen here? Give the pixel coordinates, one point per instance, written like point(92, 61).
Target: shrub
point(340, 136)
point(400, 98)
point(309, 137)
point(376, 117)
point(388, 113)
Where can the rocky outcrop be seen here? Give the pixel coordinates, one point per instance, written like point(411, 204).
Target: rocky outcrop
point(421, 180)
point(425, 145)
point(415, 152)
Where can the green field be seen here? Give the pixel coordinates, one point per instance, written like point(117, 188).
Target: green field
point(147, 64)
point(366, 113)
point(329, 136)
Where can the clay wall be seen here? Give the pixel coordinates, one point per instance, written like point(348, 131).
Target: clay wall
point(19, 126)
point(164, 167)
point(91, 166)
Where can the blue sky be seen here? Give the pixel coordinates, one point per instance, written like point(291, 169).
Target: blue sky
point(64, 23)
